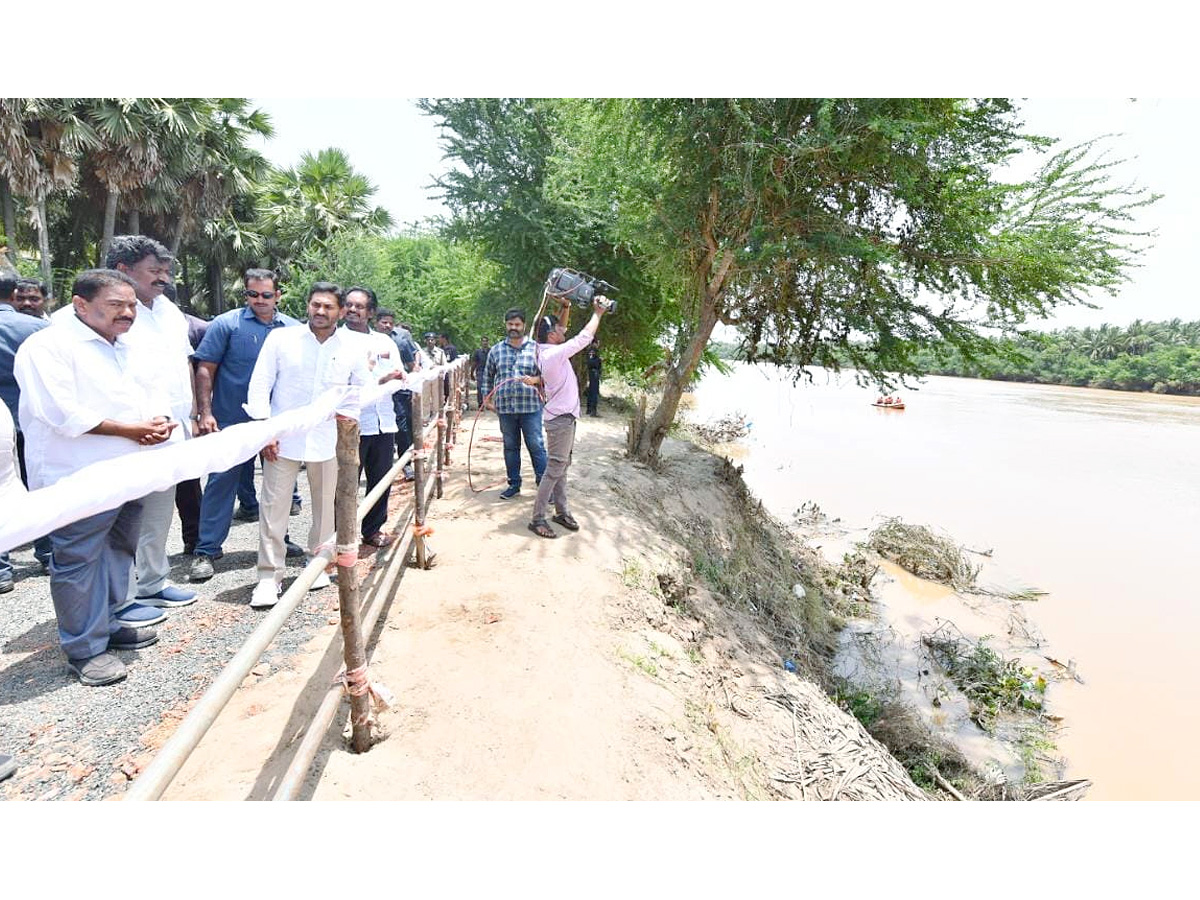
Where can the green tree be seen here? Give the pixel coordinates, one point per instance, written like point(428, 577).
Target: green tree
point(829, 231)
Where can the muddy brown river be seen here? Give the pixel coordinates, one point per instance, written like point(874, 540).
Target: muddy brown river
point(1092, 496)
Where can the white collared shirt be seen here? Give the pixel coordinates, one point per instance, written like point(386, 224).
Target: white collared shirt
point(383, 357)
point(292, 369)
point(71, 380)
point(164, 328)
point(10, 481)
point(163, 324)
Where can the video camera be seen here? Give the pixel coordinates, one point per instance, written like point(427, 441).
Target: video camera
point(578, 288)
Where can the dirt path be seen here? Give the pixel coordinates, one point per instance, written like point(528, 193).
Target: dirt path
point(526, 668)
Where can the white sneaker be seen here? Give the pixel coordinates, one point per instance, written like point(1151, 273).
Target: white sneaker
point(266, 594)
point(322, 581)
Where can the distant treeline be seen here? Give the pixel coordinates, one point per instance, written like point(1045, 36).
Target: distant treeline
point(1161, 357)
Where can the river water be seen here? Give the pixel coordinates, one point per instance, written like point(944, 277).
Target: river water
point(1092, 496)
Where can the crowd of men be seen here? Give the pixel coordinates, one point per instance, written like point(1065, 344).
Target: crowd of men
point(120, 369)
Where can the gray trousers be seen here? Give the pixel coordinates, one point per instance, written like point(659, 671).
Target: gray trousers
point(275, 503)
point(560, 441)
point(153, 567)
point(89, 576)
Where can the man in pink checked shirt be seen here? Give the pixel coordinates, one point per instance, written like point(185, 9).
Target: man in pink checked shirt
point(559, 414)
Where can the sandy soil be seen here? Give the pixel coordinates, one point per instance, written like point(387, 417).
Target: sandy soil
point(526, 668)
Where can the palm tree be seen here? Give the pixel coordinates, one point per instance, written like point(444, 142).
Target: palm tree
point(138, 137)
point(41, 142)
point(302, 207)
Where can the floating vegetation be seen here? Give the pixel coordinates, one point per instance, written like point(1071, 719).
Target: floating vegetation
point(927, 555)
point(724, 429)
point(991, 683)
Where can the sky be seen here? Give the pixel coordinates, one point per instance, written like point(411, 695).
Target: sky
point(397, 148)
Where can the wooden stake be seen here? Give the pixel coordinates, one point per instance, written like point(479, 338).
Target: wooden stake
point(417, 421)
point(440, 405)
point(345, 516)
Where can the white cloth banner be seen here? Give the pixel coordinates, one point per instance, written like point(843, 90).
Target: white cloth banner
point(105, 485)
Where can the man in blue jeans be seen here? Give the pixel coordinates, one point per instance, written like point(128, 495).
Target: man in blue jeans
point(513, 370)
point(224, 362)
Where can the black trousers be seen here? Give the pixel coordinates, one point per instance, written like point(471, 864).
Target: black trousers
point(403, 404)
point(187, 502)
point(41, 547)
point(593, 395)
point(375, 457)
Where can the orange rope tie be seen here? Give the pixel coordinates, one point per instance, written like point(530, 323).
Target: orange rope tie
point(347, 555)
point(422, 530)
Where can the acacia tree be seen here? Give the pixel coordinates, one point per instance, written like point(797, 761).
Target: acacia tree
point(840, 231)
point(507, 201)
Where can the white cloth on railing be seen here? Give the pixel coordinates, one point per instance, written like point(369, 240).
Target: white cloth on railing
point(106, 485)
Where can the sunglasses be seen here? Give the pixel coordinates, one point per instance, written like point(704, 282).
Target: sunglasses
point(266, 295)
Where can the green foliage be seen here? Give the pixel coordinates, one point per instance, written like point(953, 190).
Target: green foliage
point(1163, 357)
point(861, 704)
point(991, 683)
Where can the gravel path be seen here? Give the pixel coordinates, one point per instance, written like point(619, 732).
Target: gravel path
point(86, 743)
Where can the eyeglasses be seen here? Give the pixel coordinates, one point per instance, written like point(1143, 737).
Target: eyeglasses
point(266, 295)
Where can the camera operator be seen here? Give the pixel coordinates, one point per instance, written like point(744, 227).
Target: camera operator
point(560, 413)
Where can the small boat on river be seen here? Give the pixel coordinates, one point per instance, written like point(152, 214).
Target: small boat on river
point(889, 403)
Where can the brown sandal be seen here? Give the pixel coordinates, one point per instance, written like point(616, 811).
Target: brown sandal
point(567, 521)
point(541, 529)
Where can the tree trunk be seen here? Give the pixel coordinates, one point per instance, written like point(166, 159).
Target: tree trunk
point(216, 289)
point(10, 221)
point(43, 230)
point(651, 433)
point(135, 222)
point(177, 237)
point(110, 223)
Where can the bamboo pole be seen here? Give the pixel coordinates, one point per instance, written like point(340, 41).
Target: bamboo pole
point(344, 513)
point(440, 442)
point(417, 420)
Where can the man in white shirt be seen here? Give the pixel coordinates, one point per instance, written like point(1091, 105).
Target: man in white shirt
point(161, 324)
point(377, 424)
point(295, 366)
point(88, 394)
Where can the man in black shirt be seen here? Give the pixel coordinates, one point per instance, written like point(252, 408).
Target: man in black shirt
point(478, 363)
point(593, 369)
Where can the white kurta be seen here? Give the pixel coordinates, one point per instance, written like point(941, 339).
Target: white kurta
point(71, 380)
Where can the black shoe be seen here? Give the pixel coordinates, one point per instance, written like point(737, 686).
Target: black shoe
point(290, 550)
point(295, 508)
point(246, 515)
point(509, 492)
point(126, 638)
point(98, 670)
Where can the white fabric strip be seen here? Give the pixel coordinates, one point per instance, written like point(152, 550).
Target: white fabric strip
point(106, 485)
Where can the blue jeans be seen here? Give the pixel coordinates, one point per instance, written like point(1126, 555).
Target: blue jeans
point(216, 505)
point(512, 426)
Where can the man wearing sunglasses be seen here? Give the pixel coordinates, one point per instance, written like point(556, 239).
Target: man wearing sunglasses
point(224, 362)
